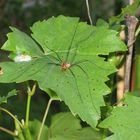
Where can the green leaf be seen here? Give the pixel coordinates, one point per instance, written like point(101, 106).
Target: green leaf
point(64, 127)
point(3, 99)
point(128, 10)
point(124, 121)
point(82, 85)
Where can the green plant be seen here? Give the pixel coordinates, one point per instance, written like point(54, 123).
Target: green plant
point(71, 61)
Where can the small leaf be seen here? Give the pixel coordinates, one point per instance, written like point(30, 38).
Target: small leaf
point(124, 121)
point(3, 99)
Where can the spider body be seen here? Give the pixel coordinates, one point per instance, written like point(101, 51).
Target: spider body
point(65, 66)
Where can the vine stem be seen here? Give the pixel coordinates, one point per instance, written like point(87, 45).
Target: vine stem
point(30, 94)
point(8, 131)
point(88, 12)
point(27, 110)
point(10, 114)
point(44, 118)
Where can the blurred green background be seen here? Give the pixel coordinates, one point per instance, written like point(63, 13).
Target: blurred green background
point(22, 14)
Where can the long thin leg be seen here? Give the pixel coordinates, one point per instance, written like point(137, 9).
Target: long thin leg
point(71, 42)
point(74, 55)
point(18, 74)
point(56, 64)
point(53, 57)
point(88, 85)
point(58, 57)
point(77, 45)
point(76, 84)
point(25, 70)
point(84, 60)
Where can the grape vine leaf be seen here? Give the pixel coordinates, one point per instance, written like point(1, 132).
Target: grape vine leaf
point(64, 127)
point(3, 99)
point(66, 40)
point(124, 121)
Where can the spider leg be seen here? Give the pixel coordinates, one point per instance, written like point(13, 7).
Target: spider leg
point(27, 69)
point(18, 74)
point(80, 67)
point(57, 64)
point(76, 84)
point(78, 46)
point(79, 62)
point(71, 42)
point(54, 58)
point(85, 60)
point(74, 55)
point(58, 57)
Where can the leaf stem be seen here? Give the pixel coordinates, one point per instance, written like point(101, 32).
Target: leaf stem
point(28, 110)
point(10, 114)
point(44, 118)
point(8, 131)
point(30, 94)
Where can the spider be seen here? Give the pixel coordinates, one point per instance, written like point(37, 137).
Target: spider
point(66, 66)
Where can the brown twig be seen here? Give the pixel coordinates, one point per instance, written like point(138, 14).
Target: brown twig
point(120, 85)
point(131, 22)
point(121, 73)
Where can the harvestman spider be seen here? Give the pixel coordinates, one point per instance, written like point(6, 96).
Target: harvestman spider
point(67, 66)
